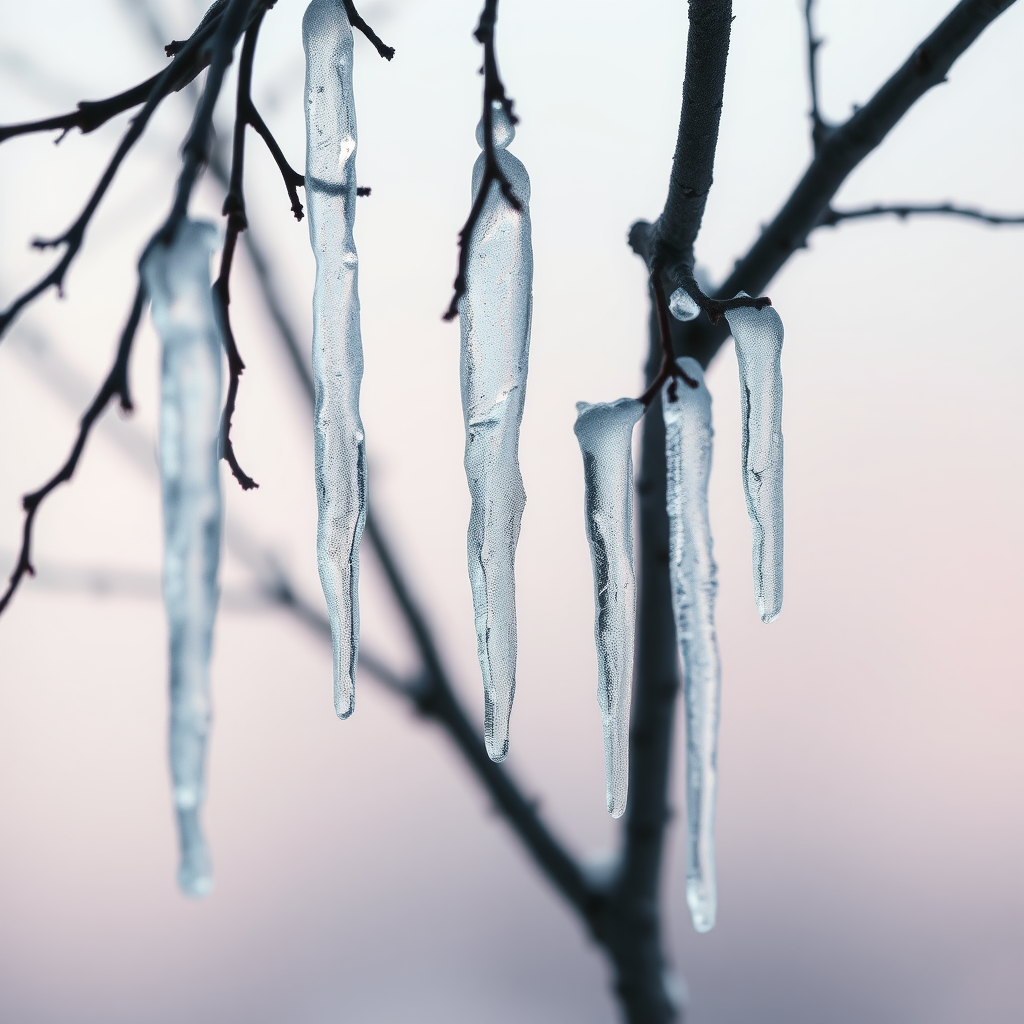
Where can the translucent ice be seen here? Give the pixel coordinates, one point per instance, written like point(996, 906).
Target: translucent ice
point(694, 587)
point(605, 433)
point(177, 279)
point(495, 321)
point(339, 445)
point(758, 336)
point(682, 305)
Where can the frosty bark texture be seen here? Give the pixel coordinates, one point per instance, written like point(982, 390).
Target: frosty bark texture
point(339, 445)
point(758, 335)
point(605, 433)
point(177, 280)
point(694, 584)
point(494, 315)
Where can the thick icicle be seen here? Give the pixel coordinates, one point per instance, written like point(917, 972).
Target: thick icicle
point(339, 445)
point(605, 433)
point(177, 279)
point(694, 584)
point(495, 321)
point(758, 335)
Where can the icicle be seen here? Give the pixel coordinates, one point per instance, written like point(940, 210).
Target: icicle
point(682, 305)
point(177, 279)
point(694, 584)
point(339, 445)
point(758, 335)
point(495, 320)
point(605, 433)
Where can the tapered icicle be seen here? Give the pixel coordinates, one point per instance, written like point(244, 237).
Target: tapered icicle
point(339, 444)
point(495, 317)
point(605, 433)
point(694, 585)
point(758, 335)
point(177, 280)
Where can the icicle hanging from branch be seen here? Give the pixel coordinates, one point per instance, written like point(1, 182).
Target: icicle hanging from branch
point(605, 432)
point(758, 334)
point(692, 573)
point(494, 316)
point(340, 454)
point(177, 279)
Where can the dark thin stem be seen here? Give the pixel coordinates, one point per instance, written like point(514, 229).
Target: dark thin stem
point(494, 95)
point(669, 367)
point(819, 129)
point(116, 385)
point(292, 179)
point(387, 52)
point(904, 210)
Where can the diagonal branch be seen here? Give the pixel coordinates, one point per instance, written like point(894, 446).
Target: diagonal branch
point(819, 129)
point(115, 386)
point(387, 52)
point(832, 216)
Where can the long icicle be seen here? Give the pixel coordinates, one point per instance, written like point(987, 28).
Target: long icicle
point(605, 433)
point(339, 443)
point(494, 317)
point(177, 280)
point(694, 583)
point(758, 334)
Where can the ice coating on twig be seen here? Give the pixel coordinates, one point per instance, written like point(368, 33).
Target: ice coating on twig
point(494, 316)
point(682, 305)
point(339, 444)
point(694, 586)
point(758, 335)
point(177, 280)
point(605, 433)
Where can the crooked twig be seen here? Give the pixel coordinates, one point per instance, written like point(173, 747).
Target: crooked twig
point(669, 368)
point(832, 216)
point(819, 129)
point(387, 52)
point(292, 179)
point(494, 95)
point(116, 385)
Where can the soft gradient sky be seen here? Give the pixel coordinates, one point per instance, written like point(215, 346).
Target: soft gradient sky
point(870, 815)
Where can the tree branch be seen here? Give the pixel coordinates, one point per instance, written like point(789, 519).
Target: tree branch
point(387, 52)
point(832, 216)
point(819, 129)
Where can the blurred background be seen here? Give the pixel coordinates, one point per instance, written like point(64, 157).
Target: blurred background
point(870, 814)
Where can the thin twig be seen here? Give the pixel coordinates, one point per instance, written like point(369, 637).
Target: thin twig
point(819, 129)
point(292, 179)
point(494, 95)
point(116, 385)
point(669, 367)
point(387, 52)
point(904, 210)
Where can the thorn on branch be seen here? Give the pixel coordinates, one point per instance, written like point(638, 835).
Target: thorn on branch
point(363, 190)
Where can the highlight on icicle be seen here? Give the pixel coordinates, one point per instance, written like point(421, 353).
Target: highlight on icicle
point(694, 585)
point(605, 433)
point(339, 443)
point(758, 335)
point(177, 280)
point(494, 317)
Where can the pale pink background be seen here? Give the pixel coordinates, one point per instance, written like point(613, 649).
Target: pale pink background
point(870, 836)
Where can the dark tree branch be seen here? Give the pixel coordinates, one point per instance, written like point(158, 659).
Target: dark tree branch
point(387, 52)
point(494, 95)
point(116, 385)
point(292, 179)
point(819, 129)
point(904, 210)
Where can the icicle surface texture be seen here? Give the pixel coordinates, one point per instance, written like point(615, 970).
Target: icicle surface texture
point(758, 336)
point(177, 279)
point(694, 586)
point(605, 433)
point(339, 445)
point(495, 317)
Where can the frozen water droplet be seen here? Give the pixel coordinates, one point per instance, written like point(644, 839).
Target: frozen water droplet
point(682, 305)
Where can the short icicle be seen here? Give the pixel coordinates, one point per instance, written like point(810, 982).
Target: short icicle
point(605, 433)
point(692, 573)
point(758, 334)
point(177, 280)
point(339, 444)
point(494, 316)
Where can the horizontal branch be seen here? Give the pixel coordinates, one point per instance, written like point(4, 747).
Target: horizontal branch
point(904, 210)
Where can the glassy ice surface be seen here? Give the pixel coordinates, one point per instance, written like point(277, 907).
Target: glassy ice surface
point(694, 585)
point(177, 279)
point(494, 316)
point(682, 305)
point(605, 433)
point(339, 444)
point(758, 336)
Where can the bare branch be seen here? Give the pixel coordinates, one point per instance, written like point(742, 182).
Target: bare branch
point(819, 129)
point(494, 95)
point(904, 210)
point(116, 385)
point(292, 179)
point(387, 52)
